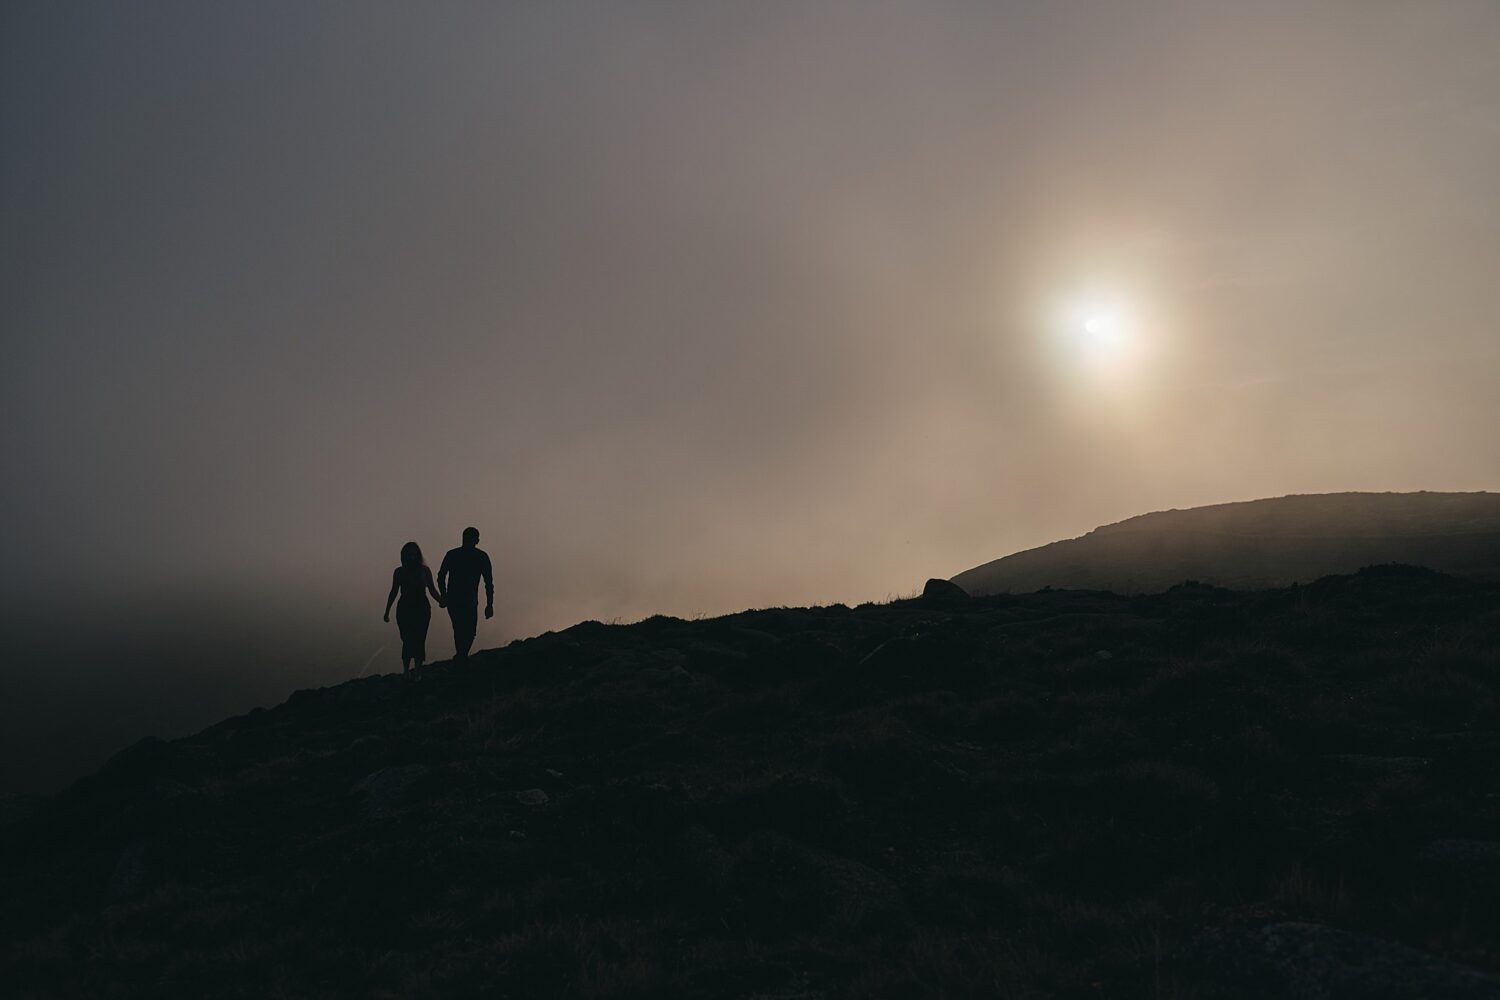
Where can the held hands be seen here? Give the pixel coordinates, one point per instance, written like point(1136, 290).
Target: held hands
point(489, 611)
point(387, 615)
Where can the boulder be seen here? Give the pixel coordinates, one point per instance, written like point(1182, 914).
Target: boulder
point(943, 592)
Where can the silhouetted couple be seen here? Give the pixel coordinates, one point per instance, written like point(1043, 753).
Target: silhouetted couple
point(457, 589)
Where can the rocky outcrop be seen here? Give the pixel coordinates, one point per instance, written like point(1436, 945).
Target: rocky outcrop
point(943, 592)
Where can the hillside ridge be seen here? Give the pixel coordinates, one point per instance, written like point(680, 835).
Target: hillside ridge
point(1260, 544)
point(1058, 793)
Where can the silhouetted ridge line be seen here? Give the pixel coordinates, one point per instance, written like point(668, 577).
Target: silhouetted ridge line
point(1261, 544)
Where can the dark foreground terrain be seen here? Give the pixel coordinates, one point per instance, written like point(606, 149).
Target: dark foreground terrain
point(1193, 794)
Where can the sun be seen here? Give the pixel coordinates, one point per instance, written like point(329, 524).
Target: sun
point(1098, 331)
point(1102, 336)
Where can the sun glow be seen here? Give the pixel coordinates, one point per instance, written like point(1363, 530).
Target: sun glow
point(1097, 332)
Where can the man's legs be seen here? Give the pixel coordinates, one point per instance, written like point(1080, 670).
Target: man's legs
point(465, 623)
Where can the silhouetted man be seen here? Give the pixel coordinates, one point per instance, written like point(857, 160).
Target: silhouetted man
point(458, 582)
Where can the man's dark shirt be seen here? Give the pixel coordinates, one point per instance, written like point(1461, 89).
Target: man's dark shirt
point(458, 577)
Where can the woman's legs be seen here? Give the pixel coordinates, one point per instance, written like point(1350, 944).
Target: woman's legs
point(413, 623)
point(419, 639)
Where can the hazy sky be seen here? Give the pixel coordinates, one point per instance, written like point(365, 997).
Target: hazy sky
point(697, 306)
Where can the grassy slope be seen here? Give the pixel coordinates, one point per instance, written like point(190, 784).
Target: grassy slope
point(888, 800)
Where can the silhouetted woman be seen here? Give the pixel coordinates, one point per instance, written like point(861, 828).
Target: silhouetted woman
point(413, 581)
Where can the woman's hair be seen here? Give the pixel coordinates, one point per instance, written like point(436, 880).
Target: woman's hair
point(411, 557)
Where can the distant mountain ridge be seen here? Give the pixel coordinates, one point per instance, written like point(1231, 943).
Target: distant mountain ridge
point(1261, 544)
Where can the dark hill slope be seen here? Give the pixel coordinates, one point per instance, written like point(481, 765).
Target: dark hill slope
point(1061, 794)
point(1260, 544)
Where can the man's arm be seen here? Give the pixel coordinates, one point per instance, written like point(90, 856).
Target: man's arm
point(489, 585)
point(442, 580)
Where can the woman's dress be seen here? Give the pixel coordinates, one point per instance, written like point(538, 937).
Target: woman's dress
point(413, 613)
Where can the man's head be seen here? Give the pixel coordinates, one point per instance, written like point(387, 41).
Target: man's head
point(471, 537)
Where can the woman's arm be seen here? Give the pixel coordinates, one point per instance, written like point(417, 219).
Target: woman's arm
point(433, 590)
point(391, 597)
